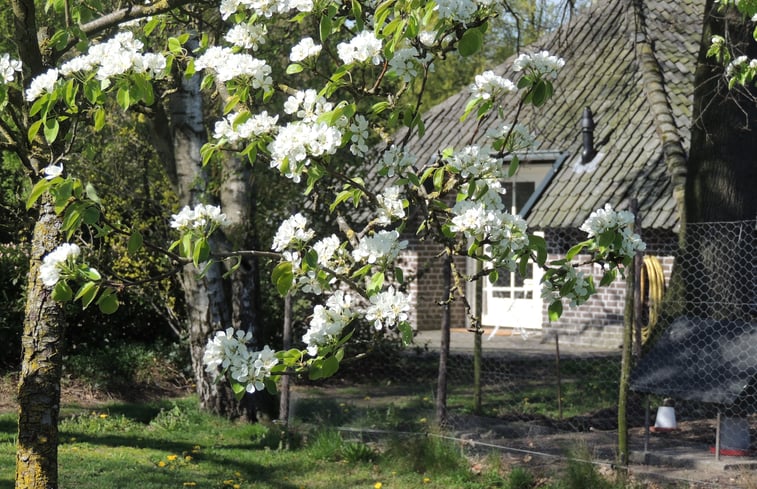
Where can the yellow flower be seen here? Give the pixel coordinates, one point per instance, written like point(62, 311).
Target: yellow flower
point(171, 458)
point(187, 458)
point(426, 480)
point(161, 464)
point(377, 485)
point(423, 420)
point(238, 474)
point(103, 415)
point(190, 483)
point(236, 486)
point(228, 482)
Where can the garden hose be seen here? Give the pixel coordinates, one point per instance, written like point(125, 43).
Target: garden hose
point(653, 288)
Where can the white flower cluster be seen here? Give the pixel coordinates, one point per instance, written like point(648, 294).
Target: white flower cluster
point(254, 126)
point(359, 138)
point(608, 220)
point(41, 84)
point(577, 291)
point(50, 269)
point(307, 105)
point(264, 8)
point(293, 231)
point(514, 138)
point(53, 171)
point(8, 68)
point(457, 10)
point(361, 48)
point(229, 65)
point(740, 64)
point(489, 85)
point(328, 322)
point(203, 218)
point(391, 205)
point(228, 350)
point(304, 49)
point(407, 63)
point(297, 142)
point(382, 246)
point(247, 36)
point(395, 160)
point(475, 162)
point(116, 56)
point(388, 308)
point(539, 64)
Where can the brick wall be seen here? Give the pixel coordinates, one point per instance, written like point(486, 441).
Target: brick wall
point(597, 323)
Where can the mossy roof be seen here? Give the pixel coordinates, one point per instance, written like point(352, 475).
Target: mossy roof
point(632, 63)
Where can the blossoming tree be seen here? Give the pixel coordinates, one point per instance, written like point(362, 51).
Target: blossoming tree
point(363, 61)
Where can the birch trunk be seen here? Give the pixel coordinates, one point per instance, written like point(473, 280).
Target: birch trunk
point(41, 366)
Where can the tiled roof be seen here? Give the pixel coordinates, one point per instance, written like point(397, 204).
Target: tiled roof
point(632, 63)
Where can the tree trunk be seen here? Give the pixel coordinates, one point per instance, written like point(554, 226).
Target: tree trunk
point(205, 297)
point(720, 179)
point(41, 366)
point(441, 383)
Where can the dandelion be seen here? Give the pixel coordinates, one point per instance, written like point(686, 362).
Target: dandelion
point(426, 480)
point(103, 415)
point(190, 484)
point(161, 464)
point(378, 485)
point(171, 458)
point(188, 458)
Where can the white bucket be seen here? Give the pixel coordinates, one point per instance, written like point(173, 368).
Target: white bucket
point(666, 418)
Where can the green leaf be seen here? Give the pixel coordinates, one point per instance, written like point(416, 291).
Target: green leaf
point(99, 118)
point(87, 293)
point(51, 130)
point(514, 165)
point(609, 277)
point(575, 250)
point(62, 292)
point(470, 43)
point(377, 281)
point(33, 130)
point(399, 275)
point(135, 243)
point(283, 277)
point(238, 389)
point(108, 302)
point(294, 68)
point(555, 310)
point(123, 98)
point(39, 188)
point(311, 258)
point(201, 252)
point(174, 45)
point(406, 333)
point(90, 273)
point(324, 368)
point(493, 276)
point(325, 28)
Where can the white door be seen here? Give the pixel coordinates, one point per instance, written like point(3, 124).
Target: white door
point(515, 301)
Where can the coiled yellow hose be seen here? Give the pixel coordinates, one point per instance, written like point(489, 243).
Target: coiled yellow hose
point(653, 288)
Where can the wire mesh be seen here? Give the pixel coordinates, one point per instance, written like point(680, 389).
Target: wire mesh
point(543, 392)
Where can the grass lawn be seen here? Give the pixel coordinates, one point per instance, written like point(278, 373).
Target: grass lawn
point(170, 444)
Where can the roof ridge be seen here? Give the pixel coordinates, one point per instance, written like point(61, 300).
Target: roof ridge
point(656, 95)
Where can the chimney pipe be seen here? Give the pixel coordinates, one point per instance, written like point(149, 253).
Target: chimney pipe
point(587, 130)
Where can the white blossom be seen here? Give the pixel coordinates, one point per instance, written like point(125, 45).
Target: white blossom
point(53, 171)
point(8, 68)
point(328, 321)
point(459, 10)
point(251, 126)
point(304, 49)
point(50, 269)
point(363, 47)
point(388, 308)
point(407, 63)
point(396, 160)
point(382, 246)
point(359, 138)
point(608, 220)
point(294, 144)
point(227, 351)
point(229, 65)
point(391, 205)
point(489, 85)
point(293, 230)
point(247, 36)
point(540, 64)
point(307, 105)
point(41, 84)
point(514, 138)
point(202, 217)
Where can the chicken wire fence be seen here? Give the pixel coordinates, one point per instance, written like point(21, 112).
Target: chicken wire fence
point(699, 356)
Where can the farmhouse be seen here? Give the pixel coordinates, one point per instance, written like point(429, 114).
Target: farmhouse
point(614, 131)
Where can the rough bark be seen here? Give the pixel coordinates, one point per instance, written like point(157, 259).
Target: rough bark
point(720, 178)
point(41, 366)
